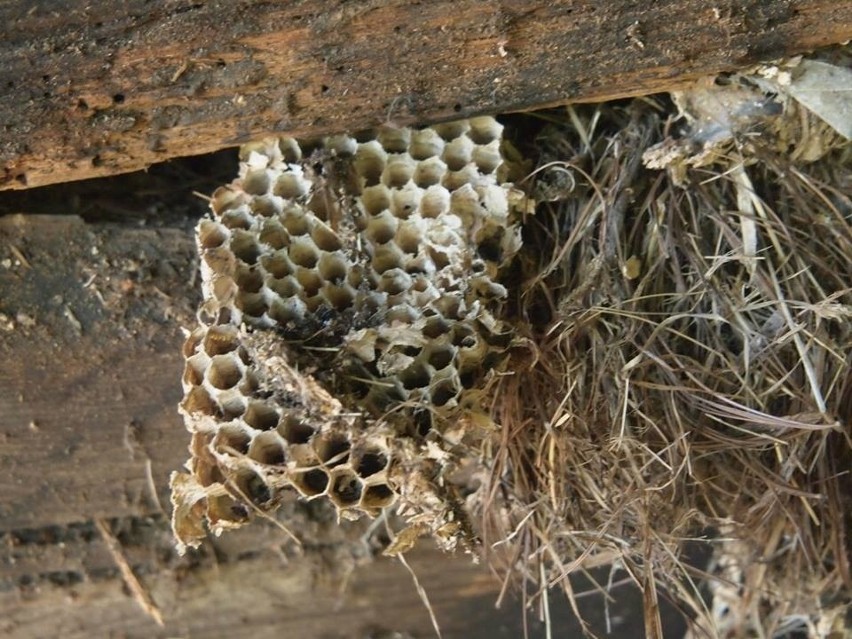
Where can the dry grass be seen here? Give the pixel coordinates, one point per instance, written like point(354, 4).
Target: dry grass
point(684, 372)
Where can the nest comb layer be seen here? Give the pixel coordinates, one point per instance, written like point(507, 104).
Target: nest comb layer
point(373, 265)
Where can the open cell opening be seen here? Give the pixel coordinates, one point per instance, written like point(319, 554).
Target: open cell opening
point(440, 356)
point(311, 483)
point(220, 340)
point(375, 199)
point(224, 372)
point(310, 281)
point(394, 281)
point(291, 310)
point(426, 144)
point(451, 130)
point(484, 130)
point(415, 376)
point(277, 265)
point(249, 279)
point(340, 297)
point(443, 392)
point(198, 400)
point(372, 461)
point(252, 304)
point(286, 287)
point(232, 438)
point(435, 202)
point(261, 416)
point(211, 234)
point(267, 449)
point(244, 247)
point(377, 496)
point(303, 252)
point(256, 182)
point(290, 186)
point(332, 267)
point(394, 140)
point(294, 430)
point(332, 450)
point(346, 489)
point(369, 162)
point(398, 172)
point(381, 229)
point(273, 235)
point(487, 158)
point(325, 239)
point(296, 222)
point(266, 206)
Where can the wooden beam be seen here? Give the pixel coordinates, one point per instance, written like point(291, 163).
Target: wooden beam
point(96, 89)
point(90, 342)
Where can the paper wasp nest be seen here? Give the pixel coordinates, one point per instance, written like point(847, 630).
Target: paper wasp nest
point(351, 308)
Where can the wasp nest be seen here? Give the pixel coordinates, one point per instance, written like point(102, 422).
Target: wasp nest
point(352, 304)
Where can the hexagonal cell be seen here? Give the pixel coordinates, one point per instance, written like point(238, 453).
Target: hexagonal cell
point(405, 201)
point(310, 483)
point(261, 415)
point(377, 496)
point(435, 202)
point(232, 438)
point(250, 485)
point(393, 139)
point(193, 370)
point(333, 267)
point(341, 144)
point(425, 144)
point(429, 172)
point(219, 260)
point(386, 257)
point(440, 355)
point(409, 235)
point(274, 235)
point(291, 186)
point(290, 310)
point(339, 297)
point(294, 430)
point(244, 247)
point(415, 376)
point(487, 158)
point(303, 252)
point(278, 264)
point(402, 314)
point(398, 171)
point(296, 221)
point(451, 130)
point(310, 281)
point(394, 281)
point(220, 340)
point(286, 287)
point(256, 182)
point(381, 228)
point(456, 179)
point(375, 199)
point(252, 304)
point(325, 238)
point(267, 448)
point(198, 400)
point(266, 205)
point(345, 489)
point(332, 450)
point(370, 461)
point(290, 150)
point(444, 392)
point(369, 162)
point(211, 234)
point(225, 198)
point(248, 278)
point(224, 372)
point(484, 130)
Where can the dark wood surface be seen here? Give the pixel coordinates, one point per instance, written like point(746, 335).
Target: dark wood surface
point(90, 89)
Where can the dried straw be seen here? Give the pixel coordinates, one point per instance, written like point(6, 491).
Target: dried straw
point(683, 372)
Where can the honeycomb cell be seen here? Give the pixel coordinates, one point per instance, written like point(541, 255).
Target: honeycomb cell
point(274, 235)
point(251, 304)
point(219, 340)
point(345, 490)
point(224, 372)
point(398, 171)
point(294, 430)
point(310, 483)
point(266, 206)
point(261, 415)
point(291, 186)
point(485, 130)
point(376, 199)
point(369, 162)
point(232, 437)
point(429, 173)
point(332, 450)
point(381, 228)
point(244, 246)
point(211, 234)
point(248, 278)
point(370, 462)
point(256, 182)
point(426, 144)
point(435, 202)
point(377, 496)
point(386, 257)
point(393, 139)
point(324, 238)
point(449, 131)
point(198, 401)
point(333, 267)
point(268, 449)
point(487, 158)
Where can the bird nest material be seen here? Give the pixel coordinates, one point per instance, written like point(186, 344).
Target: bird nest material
point(675, 364)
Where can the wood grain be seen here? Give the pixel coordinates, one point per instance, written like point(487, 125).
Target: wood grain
point(92, 89)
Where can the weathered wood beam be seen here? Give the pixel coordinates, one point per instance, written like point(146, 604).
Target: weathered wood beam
point(90, 341)
point(96, 89)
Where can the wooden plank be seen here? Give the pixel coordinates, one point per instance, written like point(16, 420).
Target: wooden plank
point(90, 341)
point(265, 594)
point(92, 89)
